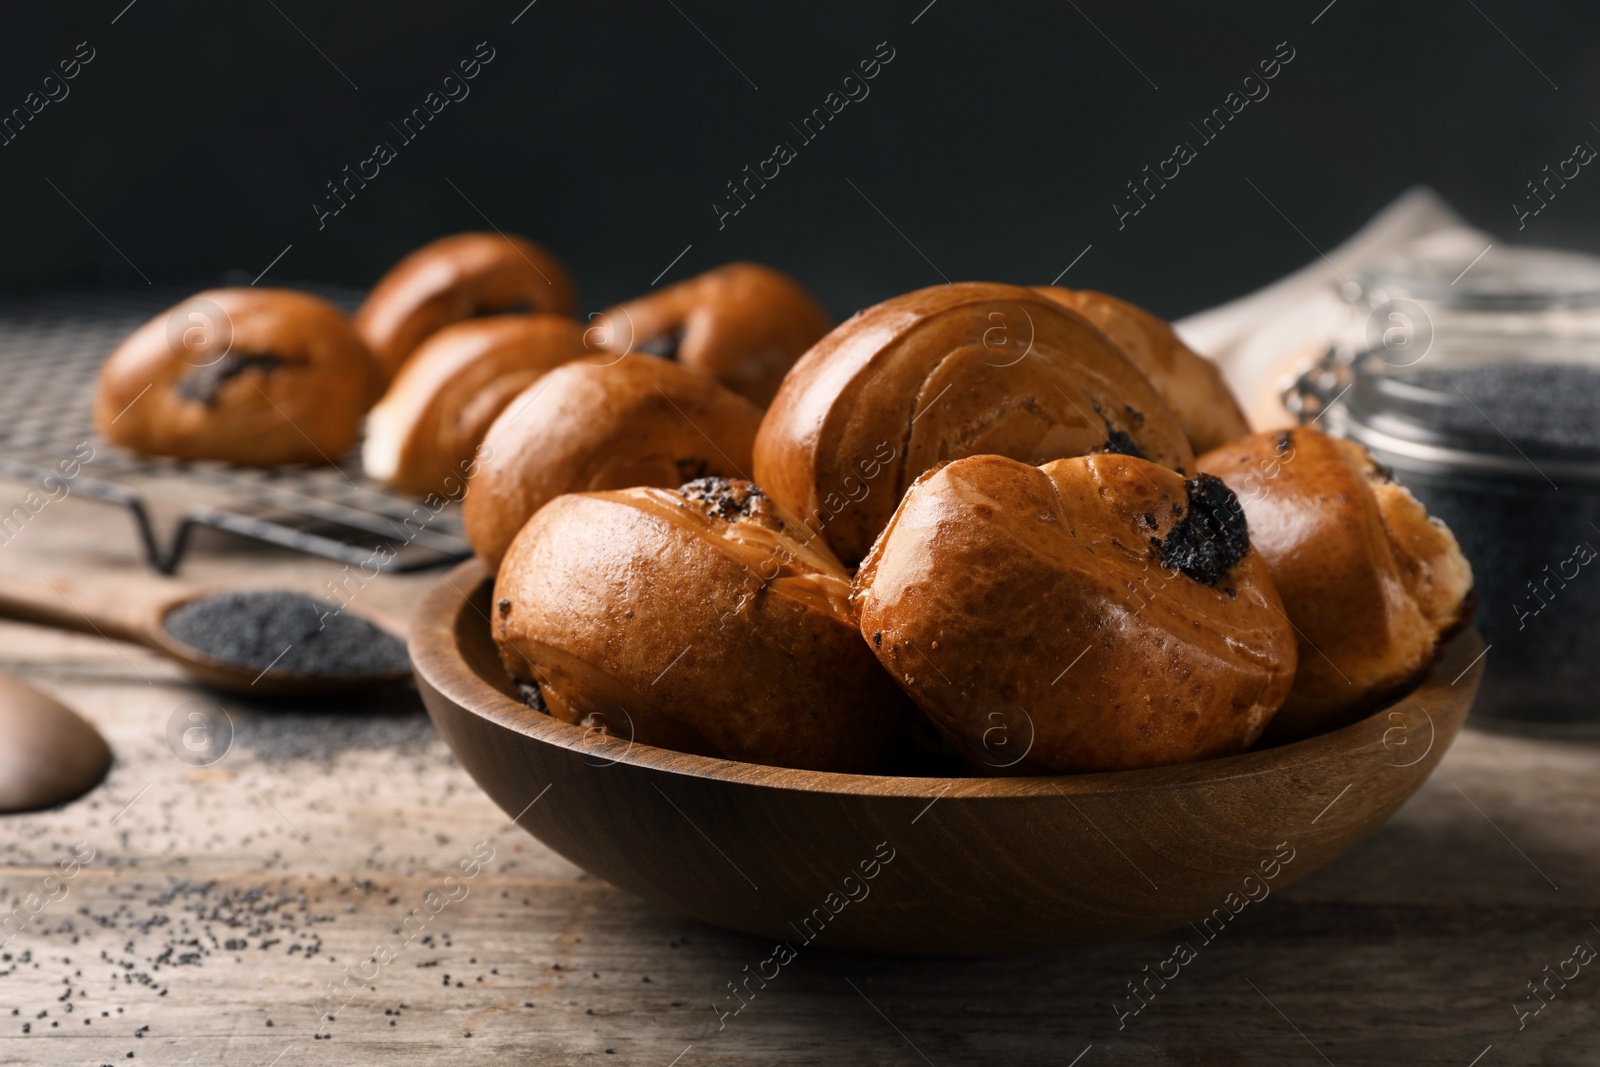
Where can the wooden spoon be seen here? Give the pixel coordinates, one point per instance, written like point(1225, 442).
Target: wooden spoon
point(48, 753)
point(147, 627)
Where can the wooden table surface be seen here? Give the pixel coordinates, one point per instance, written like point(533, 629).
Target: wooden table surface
point(220, 902)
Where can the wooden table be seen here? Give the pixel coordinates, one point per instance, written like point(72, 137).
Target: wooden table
point(222, 901)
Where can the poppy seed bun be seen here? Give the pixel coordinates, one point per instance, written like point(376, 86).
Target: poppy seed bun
point(1097, 613)
point(1372, 584)
point(693, 619)
point(1190, 383)
point(438, 408)
point(941, 373)
point(259, 377)
point(637, 420)
point(744, 324)
point(455, 278)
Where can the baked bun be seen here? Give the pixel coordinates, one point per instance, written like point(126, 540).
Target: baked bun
point(694, 619)
point(1190, 383)
point(635, 421)
point(455, 278)
point(1093, 614)
point(260, 377)
point(941, 373)
point(1371, 583)
point(743, 324)
point(431, 421)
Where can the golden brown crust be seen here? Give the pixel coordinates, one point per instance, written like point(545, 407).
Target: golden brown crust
point(693, 620)
point(942, 373)
point(1041, 619)
point(438, 408)
point(455, 278)
point(744, 324)
point(261, 377)
point(636, 420)
point(1191, 384)
point(1370, 582)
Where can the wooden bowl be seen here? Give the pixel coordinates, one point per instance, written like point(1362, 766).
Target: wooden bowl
point(926, 866)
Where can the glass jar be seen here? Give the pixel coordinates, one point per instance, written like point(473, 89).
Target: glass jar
point(1477, 381)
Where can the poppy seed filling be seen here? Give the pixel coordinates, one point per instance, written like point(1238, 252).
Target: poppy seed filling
point(1121, 444)
point(531, 695)
point(729, 500)
point(663, 346)
point(204, 383)
point(1211, 537)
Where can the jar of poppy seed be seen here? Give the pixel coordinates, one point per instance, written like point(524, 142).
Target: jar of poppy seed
point(1474, 376)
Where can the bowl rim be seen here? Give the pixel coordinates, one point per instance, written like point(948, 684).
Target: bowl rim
point(439, 666)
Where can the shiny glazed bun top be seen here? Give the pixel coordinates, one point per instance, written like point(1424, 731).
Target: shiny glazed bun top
point(744, 324)
point(260, 377)
point(1371, 583)
point(455, 278)
point(633, 420)
point(942, 373)
point(1096, 613)
point(1191, 384)
point(695, 619)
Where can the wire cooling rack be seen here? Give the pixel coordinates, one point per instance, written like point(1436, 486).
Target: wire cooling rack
point(51, 347)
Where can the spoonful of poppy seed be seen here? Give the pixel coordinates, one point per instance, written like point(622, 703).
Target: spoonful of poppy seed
point(263, 642)
point(287, 633)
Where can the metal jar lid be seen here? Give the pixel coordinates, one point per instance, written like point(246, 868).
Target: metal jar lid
point(1501, 406)
point(1459, 269)
point(1462, 355)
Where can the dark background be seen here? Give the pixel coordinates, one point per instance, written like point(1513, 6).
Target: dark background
point(200, 135)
